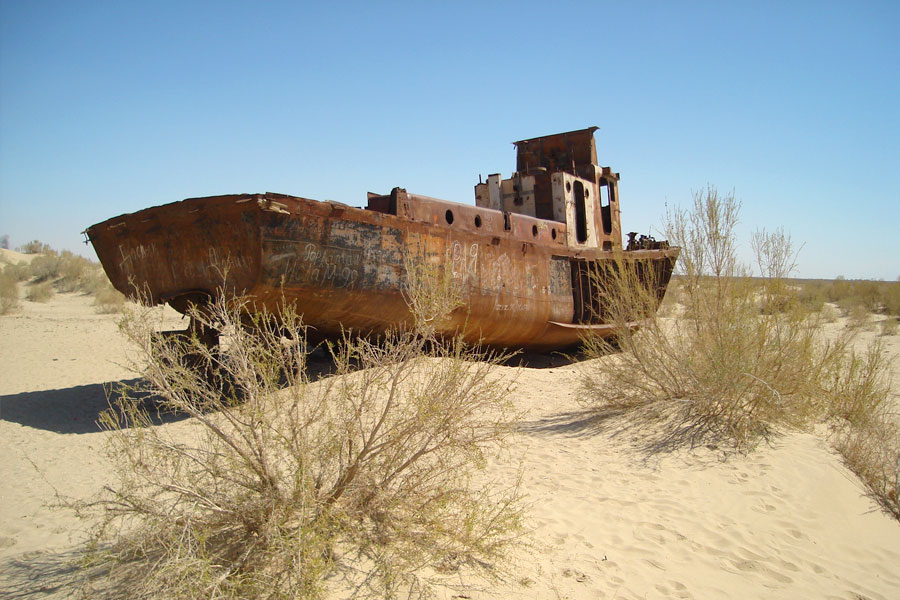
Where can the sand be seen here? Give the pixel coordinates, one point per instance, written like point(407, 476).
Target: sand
point(609, 520)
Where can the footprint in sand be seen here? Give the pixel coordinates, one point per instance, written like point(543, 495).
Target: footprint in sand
point(576, 575)
point(753, 566)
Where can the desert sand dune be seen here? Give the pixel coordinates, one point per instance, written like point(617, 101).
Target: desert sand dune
point(610, 517)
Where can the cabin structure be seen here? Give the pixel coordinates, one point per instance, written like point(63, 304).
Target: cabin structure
point(558, 179)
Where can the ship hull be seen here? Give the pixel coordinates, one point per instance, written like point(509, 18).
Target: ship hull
point(344, 268)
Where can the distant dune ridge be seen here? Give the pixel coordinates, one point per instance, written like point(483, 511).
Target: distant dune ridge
point(610, 521)
point(13, 257)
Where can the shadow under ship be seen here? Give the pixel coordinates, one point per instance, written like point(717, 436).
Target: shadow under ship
point(523, 257)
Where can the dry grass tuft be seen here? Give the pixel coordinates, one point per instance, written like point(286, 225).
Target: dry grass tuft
point(280, 485)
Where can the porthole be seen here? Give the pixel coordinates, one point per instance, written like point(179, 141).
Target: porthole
point(553, 233)
point(534, 230)
point(449, 216)
point(587, 193)
point(568, 186)
point(477, 220)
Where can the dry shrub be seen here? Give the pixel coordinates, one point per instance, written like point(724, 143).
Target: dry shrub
point(727, 371)
point(672, 302)
point(9, 292)
point(871, 296)
point(859, 317)
point(866, 430)
point(40, 292)
point(73, 272)
point(19, 271)
point(34, 247)
point(109, 300)
point(67, 271)
point(891, 298)
point(278, 486)
point(829, 313)
point(856, 387)
point(776, 258)
point(431, 292)
point(873, 453)
point(94, 281)
point(889, 326)
point(45, 267)
point(809, 295)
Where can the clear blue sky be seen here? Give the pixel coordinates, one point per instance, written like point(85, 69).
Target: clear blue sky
point(110, 107)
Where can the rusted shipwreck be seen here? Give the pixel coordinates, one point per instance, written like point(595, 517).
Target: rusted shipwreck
point(522, 256)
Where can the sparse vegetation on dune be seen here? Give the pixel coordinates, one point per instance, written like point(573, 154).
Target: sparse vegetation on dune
point(873, 453)
point(879, 297)
point(19, 272)
point(50, 271)
point(284, 486)
point(746, 357)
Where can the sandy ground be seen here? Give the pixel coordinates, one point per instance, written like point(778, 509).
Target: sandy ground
point(609, 520)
